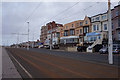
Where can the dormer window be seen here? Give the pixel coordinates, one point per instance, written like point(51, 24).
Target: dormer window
point(66, 27)
point(77, 24)
point(104, 17)
point(86, 22)
point(97, 18)
point(72, 25)
point(92, 19)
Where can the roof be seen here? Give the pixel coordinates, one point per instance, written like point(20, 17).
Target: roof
point(117, 6)
point(99, 14)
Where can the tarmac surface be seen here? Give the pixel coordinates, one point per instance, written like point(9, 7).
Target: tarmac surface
point(41, 65)
point(82, 56)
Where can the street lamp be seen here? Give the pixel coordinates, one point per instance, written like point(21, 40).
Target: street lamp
point(28, 37)
point(110, 46)
point(51, 38)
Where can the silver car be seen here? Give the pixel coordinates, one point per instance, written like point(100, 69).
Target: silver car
point(103, 50)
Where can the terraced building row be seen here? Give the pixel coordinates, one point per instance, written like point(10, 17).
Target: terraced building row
point(91, 33)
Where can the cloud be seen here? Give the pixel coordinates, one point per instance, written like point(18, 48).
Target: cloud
point(14, 15)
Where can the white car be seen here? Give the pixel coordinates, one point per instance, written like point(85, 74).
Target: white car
point(41, 46)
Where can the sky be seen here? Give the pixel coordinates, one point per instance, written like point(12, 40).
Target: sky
point(15, 16)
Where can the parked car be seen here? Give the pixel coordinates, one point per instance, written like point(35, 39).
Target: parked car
point(41, 46)
point(103, 50)
point(55, 46)
point(79, 48)
point(46, 46)
point(116, 48)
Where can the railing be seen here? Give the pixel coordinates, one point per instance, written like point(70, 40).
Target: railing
point(98, 41)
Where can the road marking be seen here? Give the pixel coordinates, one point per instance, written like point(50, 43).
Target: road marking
point(22, 67)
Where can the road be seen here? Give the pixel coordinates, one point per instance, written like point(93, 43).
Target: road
point(89, 57)
point(40, 63)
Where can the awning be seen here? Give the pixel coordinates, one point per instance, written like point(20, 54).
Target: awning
point(93, 34)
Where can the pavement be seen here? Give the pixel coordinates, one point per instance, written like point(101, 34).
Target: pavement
point(8, 68)
point(40, 65)
point(0, 62)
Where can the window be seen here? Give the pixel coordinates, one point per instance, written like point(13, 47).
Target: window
point(86, 22)
point(112, 25)
point(77, 24)
point(105, 26)
point(95, 38)
point(104, 17)
point(58, 34)
point(66, 27)
point(72, 25)
point(92, 19)
point(87, 30)
point(81, 23)
point(66, 33)
point(97, 18)
point(119, 23)
point(98, 37)
point(117, 13)
point(76, 40)
point(94, 27)
point(84, 30)
point(80, 31)
point(81, 40)
point(72, 32)
point(77, 31)
point(119, 36)
point(98, 27)
point(88, 39)
point(84, 37)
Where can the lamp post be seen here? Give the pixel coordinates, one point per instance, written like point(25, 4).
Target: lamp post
point(33, 41)
point(51, 38)
point(17, 40)
point(28, 37)
point(110, 46)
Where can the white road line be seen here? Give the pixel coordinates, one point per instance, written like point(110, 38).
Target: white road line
point(23, 68)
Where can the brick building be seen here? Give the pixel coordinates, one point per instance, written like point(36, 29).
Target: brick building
point(73, 33)
point(99, 32)
point(43, 36)
point(115, 13)
point(55, 29)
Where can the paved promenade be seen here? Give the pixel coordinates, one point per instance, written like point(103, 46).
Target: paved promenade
point(8, 68)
